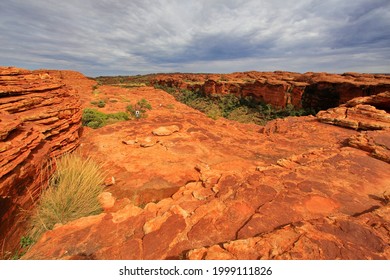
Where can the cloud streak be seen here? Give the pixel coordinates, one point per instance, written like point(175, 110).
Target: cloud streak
point(101, 37)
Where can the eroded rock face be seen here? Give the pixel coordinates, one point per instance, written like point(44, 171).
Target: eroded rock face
point(362, 113)
point(297, 188)
point(318, 91)
point(39, 119)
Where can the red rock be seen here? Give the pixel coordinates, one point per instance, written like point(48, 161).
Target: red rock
point(296, 188)
point(310, 90)
point(329, 239)
point(359, 114)
point(40, 119)
point(156, 243)
point(377, 143)
point(165, 130)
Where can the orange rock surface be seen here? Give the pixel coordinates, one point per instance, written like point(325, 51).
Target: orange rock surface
point(361, 113)
point(39, 119)
point(298, 188)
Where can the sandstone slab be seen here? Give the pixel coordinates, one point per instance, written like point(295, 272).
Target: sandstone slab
point(166, 130)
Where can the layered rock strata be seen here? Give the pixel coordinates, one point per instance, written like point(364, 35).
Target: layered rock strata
point(365, 113)
point(319, 91)
point(39, 119)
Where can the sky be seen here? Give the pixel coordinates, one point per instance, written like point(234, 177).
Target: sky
point(118, 37)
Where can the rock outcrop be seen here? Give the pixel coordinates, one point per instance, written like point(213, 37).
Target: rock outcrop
point(297, 188)
point(318, 91)
point(367, 114)
point(39, 119)
point(362, 113)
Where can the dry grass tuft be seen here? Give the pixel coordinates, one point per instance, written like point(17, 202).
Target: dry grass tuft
point(72, 193)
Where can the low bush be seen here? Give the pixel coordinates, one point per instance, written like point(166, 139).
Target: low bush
point(95, 119)
point(139, 109)
point(245, 115)
point(170, 90)
point(99, 103)
point(72, 193)
point(118, 116)
point(144, 104)
point(132, 85)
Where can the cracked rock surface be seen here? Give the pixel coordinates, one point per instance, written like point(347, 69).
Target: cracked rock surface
point(297, 188)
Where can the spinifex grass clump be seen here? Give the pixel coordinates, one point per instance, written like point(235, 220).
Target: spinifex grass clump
point(72, 193)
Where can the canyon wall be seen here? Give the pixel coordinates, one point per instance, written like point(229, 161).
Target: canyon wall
point(40, 118)
point(319, 91)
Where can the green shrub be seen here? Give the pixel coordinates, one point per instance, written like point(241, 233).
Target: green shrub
point(228, 103)
point(72, 193)
point(99, 103)
point(93, 118)
point(200, 104)
point(170, 90)
point(144, 104)
point(214, 112)
point(119, 116)
point(130, 109)
point(141, 106)
point(26, 241)
point(244, 114)
point(242, 109)
point(187, 96)
point(95, 86)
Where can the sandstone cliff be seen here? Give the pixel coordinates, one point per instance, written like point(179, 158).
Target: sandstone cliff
point(185, 186)
point(39, 119)
point(319, 91)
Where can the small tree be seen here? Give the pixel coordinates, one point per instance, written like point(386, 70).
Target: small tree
point(139, 109)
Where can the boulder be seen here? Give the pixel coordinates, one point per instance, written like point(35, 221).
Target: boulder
point(165, 130)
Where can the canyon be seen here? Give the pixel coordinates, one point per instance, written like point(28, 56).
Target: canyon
point(183, 186)
point(319, 91)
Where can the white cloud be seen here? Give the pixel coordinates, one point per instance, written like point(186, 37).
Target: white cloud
point(109, 37)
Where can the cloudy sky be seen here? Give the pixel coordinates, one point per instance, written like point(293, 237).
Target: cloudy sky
point(120, 37)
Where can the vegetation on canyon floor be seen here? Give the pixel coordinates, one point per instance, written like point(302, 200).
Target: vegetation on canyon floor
point(241, 109)
point(229, 106)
